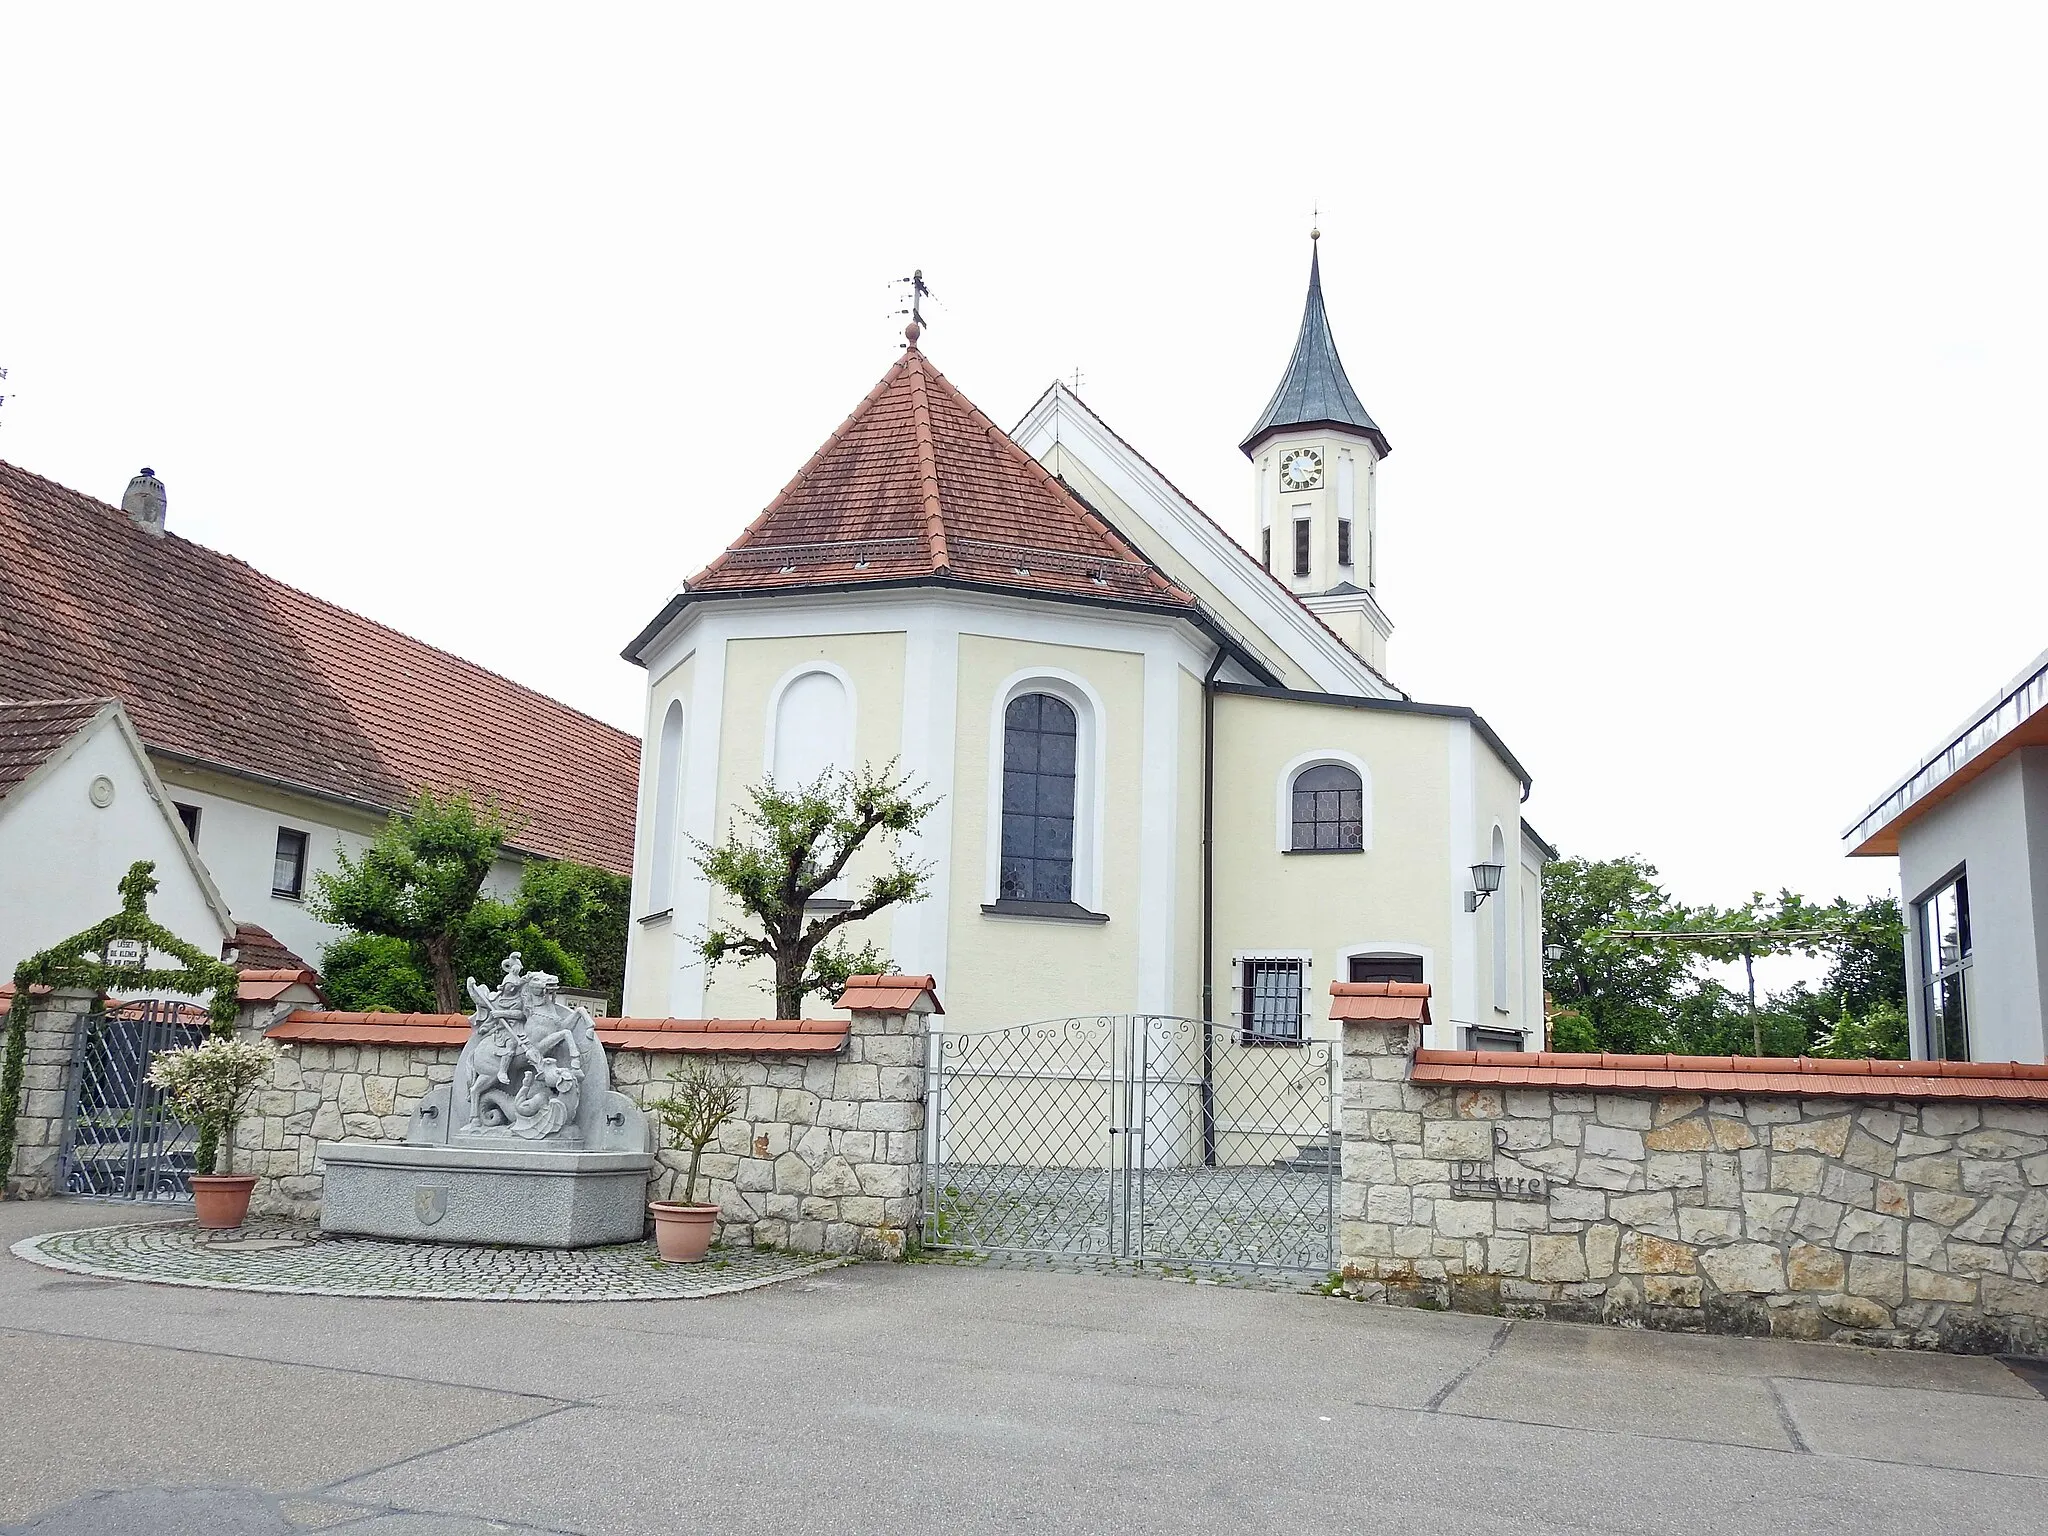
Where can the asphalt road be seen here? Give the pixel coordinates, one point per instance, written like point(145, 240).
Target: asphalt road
point(910, 1398)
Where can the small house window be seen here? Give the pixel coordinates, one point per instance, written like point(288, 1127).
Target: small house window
point(1041, 738)
point(1343, 541)
point(1386, 968)
point(1270, 1000)
point(1329, 810)
point(1301, 546)
point(189, 815)
point(288, 869)
point(1946, 972)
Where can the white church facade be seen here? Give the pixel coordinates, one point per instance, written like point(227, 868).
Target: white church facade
point(1172, 774)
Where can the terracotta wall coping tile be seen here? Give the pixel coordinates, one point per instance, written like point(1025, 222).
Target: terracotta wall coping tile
point(1804, 1076)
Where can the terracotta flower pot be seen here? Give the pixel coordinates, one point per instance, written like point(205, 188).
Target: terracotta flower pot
point(682, 1232)
point(222, 1199)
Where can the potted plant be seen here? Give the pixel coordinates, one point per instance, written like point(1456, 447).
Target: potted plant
point(703, 1099)
point(209, 1085)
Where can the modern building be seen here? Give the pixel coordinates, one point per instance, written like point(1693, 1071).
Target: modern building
point(1173, 774)
point(275, 730)
point(1969, 827)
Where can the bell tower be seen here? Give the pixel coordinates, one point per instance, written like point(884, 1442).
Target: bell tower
point(1313, 453)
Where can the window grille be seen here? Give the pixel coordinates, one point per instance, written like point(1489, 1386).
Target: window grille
point(1041, 741)
point(1270, 1006)
point(1329, 810)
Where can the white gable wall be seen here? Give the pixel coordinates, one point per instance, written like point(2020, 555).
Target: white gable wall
point(62, 857)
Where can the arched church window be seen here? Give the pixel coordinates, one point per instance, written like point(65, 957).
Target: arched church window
point(1329, 810)
point(668, 778)
point(1041, 737)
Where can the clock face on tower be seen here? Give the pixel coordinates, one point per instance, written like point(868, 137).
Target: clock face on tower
point(1301, 469)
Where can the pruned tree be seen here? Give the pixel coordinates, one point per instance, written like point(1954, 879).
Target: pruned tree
point(786, 847)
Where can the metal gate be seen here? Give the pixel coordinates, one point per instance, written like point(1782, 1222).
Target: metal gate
point(124, 1140)
point(1133, 1136)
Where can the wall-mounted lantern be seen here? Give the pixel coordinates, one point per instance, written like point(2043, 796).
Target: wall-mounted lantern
point(1485, 881)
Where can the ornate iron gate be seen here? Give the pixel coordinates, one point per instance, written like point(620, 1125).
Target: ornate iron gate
point(124, 1140)
point(1133, 1136)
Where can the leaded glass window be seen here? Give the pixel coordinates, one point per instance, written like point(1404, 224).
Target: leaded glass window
point(1329, 810)
point(1041, 740)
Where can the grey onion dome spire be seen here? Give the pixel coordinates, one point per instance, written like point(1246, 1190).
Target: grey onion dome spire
point(1314, 390)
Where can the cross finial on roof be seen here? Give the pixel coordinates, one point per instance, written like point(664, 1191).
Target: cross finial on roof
point(915, 307)
point(1315, 220)
point(1078, 377)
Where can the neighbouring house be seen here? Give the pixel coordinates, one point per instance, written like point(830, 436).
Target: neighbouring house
point(1969, 827)
point(1175, 776)
point(258, 730)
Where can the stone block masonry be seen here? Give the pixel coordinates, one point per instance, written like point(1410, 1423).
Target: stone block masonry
point(56, 1020)
point(826, 1155)
point(1888, 1217)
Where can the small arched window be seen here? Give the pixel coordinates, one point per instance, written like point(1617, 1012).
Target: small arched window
point(813, 730)
point(1329, 810)
point(1041, 738)
point(668, 778)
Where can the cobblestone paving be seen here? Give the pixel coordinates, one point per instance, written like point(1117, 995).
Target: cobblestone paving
point(298, 1259)
point(1213, 1216)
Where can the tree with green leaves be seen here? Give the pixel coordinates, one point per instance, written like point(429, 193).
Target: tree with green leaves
point(1625, 994)
point(786, 847)
point(418, 882)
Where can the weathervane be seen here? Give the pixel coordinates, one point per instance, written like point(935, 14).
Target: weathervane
point(915, 306)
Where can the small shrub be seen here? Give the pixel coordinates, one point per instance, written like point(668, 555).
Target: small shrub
point(703, 1099)
point(209, 1085)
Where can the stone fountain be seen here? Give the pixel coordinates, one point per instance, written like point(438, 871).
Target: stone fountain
point(528, 1144)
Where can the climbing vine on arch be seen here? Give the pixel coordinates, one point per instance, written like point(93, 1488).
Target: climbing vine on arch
point(81, 961)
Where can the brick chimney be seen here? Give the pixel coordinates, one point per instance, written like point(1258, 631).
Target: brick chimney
point(144, 502)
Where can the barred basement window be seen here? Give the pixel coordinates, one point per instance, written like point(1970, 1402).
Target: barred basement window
point(1270, 1000)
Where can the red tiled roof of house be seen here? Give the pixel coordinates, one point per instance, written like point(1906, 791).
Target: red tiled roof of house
point(30, 730)
point(1389, 1000)
point(1804, 1076)
point(798, 1036)
point(918, 483)
point(221, 665)
point(267, 986)
point(258, 949)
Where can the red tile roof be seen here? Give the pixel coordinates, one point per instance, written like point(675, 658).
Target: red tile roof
point(801, 1036)
point(1804, 1076)
point(267, 986)
point(1389, 1000)
point(31, 730)
point(258, 949)
point(917, 483)
point(888, 994)
point(222, 665)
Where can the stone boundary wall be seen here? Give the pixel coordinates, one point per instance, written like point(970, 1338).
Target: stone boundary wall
point(55, 1020)
point(827, 1155)
point(1870, 1220)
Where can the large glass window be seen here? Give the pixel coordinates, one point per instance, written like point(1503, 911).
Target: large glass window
point(1041, 739)
point(1944, 923)
point(1329, 810)
point(1270, 1001)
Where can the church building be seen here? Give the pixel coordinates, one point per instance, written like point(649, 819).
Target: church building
point(1173, 774)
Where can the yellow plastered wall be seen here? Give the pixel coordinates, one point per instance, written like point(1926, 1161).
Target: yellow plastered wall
point(1397, 890)
point(1003, 970)
point(650, 945)
point(1499, 796)
point(874, 663)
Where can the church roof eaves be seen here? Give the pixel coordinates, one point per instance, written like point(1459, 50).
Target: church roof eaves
point(1314, 390)
point(1404, 705)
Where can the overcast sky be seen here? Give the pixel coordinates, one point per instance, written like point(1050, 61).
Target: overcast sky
point(1710, 345)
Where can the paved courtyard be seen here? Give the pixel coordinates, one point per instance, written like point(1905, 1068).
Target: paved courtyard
point(891, 1398)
